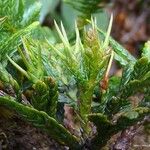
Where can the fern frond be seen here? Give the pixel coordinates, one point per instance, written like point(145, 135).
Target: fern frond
point(41, 120)
point(141, 67)
point(10, 44)
point(106, 129)
point(138, 80)
point(44, 95)
point(13, 9)
point(121, 54)
point(7, 79)
point(31, 14)
point(2, 20)
point(146, 50)
point(85, 7)
point(85, 62)
point(135, 79)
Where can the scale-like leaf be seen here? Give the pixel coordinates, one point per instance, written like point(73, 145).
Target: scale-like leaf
point(134, 87)
point(13, 9)
point(136, 78)
point(86, 7)
point(31, 14)
point(52, 97)
point(9, 45)
point(127, 70)
point(41, 120)
point(141, 67)
point(121, 54)
point(146, 50)
point(106, 129)
point(130, 118)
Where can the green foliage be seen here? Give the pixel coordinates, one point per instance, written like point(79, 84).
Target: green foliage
point(139, 78)
point(126, 75)
point(135, 79)
point(7, 79)
point(107, 128)
point(13, 9)
point(146, 50)
point(86, 62)
point(39, 96)
point(41, 120)
point(53, 95)
point(85, 7)
point(16, 23)
point(111, 102)
point(44, 96)
point(9, 44)
point(32, 61)
point(140, 69)
point(121, 54)
point(69, 71)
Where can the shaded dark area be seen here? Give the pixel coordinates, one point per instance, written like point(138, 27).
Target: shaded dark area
point(130, 137)
point(16, 134)
point(131, 23)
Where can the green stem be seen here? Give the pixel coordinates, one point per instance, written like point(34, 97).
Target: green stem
point(85, 100)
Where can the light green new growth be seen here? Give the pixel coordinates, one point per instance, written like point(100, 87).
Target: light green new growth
point(106, 129)
point(85, 61)
point(146, 50)
point(51, 71)
point(15, 23)
point(121, 54)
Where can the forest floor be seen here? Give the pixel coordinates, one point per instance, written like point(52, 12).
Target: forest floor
point(16, 134)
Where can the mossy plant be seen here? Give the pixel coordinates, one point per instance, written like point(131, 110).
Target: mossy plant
point(64, 70)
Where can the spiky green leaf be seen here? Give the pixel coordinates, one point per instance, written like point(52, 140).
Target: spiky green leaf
point(10, 44)
point(146, 50)
point(121, 54)
point(86, 7)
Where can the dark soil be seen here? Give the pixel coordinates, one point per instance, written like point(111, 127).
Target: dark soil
point(131, 25)
point(16, 134)
point(141, 141)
